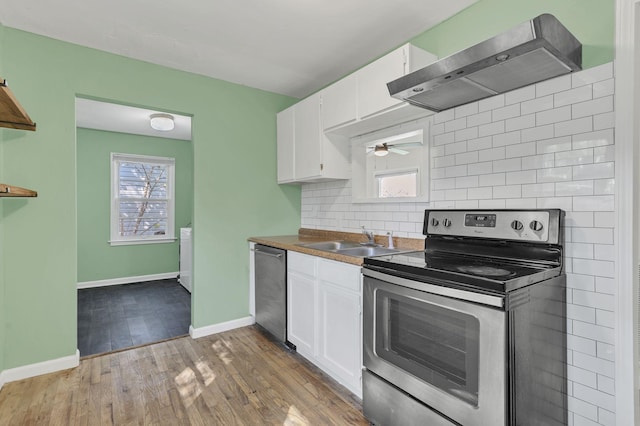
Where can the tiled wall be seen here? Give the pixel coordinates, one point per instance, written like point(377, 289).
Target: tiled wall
point(549, 145)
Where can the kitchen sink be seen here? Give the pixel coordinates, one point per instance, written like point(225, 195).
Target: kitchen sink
point(367, 251)
point(331, 245)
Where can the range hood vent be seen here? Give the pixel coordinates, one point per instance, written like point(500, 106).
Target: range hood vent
point(531, 52)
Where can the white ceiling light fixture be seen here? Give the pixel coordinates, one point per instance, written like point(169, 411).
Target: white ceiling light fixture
point(161, 122)
point(381, 150)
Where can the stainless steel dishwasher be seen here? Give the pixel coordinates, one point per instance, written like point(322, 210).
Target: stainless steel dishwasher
point(271, 290)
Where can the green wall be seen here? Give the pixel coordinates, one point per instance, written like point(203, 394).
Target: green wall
point(97, 259)
point(591, 21)
point(234, 171)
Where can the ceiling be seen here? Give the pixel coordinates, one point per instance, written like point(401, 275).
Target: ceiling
point(291, 47)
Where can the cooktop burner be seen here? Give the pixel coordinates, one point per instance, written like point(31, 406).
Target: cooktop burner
point(487, 271)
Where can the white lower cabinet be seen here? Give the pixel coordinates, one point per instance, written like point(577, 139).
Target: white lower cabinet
point(324, 316)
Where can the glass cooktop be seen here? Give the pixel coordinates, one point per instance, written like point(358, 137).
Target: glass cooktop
point(476, 271)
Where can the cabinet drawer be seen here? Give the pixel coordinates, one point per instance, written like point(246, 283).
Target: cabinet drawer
point(302, 263)
point(340, 274)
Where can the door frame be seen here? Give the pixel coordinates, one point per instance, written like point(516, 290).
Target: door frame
point(627, 92)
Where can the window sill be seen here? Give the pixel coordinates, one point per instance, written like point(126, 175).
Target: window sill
point(142, 241)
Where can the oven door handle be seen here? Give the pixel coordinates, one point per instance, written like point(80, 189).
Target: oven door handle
point(485, 299)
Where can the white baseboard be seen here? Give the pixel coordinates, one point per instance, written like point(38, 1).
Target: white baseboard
point(37, 369)
point(127, 280)
point(196, 333)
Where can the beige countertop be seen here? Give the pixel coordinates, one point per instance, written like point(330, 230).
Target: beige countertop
point(305, 236)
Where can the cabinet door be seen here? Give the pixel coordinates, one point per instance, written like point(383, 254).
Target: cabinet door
point(373, 95)
point(285, 120)
point(301, 312)
point(308, 148)
point(339, 103)
point(339, 339)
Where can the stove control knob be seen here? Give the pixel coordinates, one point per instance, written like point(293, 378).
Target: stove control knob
point(446, 223)
point(435, 222)
point(517, 225)
point(536, 226)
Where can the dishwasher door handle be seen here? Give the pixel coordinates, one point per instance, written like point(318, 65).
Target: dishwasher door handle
point(267, 254)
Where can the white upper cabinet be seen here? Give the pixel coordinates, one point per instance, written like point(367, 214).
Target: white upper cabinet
point(339, 103)
point(304, 152)
point(360, 103)
point(285, 145)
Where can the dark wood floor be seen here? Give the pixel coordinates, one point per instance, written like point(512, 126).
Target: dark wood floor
point(122, 316)
point(239, 377)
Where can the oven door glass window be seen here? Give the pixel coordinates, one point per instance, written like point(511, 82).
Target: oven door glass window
point(436, 344)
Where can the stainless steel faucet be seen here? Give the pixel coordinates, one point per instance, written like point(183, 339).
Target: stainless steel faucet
point(370, 237)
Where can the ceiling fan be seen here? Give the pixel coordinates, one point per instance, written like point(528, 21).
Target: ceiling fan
point(383, 149)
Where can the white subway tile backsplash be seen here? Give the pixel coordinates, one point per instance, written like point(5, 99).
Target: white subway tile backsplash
point(507, 191)
point(603, 88)
point(510, 165)
point(554, 115)
point(543, 161)
point(466, 134)
point(483, 193)
point(478, 119)
point(521, 150)
point(521, 122)
point(577, 156)
point(504, 139)
point(455, 194)
point(520, 95)
point(443, 138)
point(593, 107)
point(605, 351)
point(492, 154)
point(579, 219)
point(457, 124)
point(592, 235)
point(574, 188)
point(604, 187)
point(437, 129)
point(604, 154)
point(594, 396)
point(579, 250)
point(572, 127)
point(568, 97)
point(593, 139)
point(480, 168)
point(588, 412)
point(537, 133)
point(591, 299)
point(492, 204)
point(521, 203)
point(594, 203)
point(603, 219)
point(563, 203)
point(491, 103)
point(467, 158)
point(605, 318)
point(585, 314)
point(456, 171)
point(495, 128)
point(584, 377)
point(479, 143)
point(592, 75)
point(604, 121)
point(553, 86)
point(506, 112)
point(518, 178)
point(538, 190)
point(494, 179)
point(466, 182)
point(536, 105)
point(555, 174)
point(444, 116)
point(594, 171)
point(466, 110)
point(447, 161)
point(455, 148)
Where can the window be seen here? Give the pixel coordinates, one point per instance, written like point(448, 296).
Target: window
point(400, 184)
point(142, 199)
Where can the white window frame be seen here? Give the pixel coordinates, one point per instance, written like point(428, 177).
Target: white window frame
point(169, 236)
point(398, 172)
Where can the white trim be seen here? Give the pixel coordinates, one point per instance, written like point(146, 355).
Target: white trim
point(252, 280)
point(127, 280)
point(625, 230)
point(208, 330)
point(37, 369)
point(142, 241)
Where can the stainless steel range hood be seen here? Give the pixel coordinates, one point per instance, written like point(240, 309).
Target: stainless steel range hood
point(531, 52)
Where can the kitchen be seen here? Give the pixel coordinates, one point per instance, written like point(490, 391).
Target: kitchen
point(46, 307)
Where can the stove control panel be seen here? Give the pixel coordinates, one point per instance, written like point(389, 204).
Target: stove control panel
point(522, 225)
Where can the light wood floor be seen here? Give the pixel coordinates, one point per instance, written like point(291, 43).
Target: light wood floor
point(238, 377)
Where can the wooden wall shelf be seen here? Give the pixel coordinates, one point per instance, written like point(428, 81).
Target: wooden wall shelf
point(12, 115)
point(16, 191)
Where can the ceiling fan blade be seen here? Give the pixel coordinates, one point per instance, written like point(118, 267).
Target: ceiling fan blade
point(398, 151)
point(406, 145)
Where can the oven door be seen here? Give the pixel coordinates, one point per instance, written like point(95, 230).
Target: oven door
point(448, 353)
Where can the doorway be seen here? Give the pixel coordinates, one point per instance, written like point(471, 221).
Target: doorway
point(134, 194)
